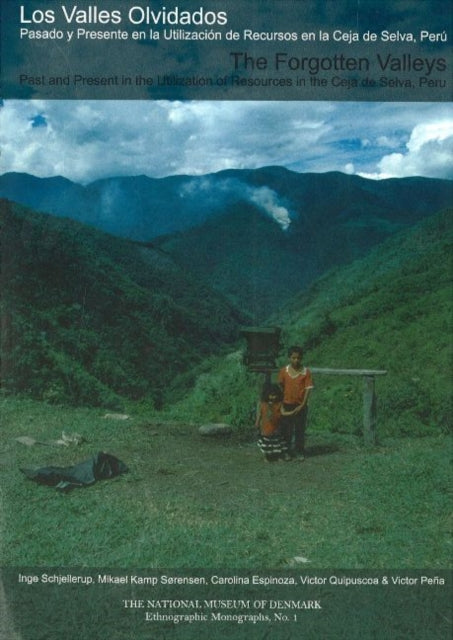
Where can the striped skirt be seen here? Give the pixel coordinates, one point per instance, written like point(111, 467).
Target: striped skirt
point(273, 445)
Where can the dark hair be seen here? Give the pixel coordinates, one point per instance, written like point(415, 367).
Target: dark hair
point(295, 349)
point(271, 389)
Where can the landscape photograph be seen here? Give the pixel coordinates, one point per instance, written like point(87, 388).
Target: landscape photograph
point(139, 239)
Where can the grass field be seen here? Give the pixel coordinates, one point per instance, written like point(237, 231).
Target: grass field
point(192, 501)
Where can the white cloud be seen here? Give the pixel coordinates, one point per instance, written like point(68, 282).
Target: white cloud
point(87, 140)
point(428, 152)
point(388, 141)
point(421, 134)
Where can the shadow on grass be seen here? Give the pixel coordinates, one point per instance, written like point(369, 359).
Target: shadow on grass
point(321, 450)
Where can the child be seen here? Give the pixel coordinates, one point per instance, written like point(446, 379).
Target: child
point(267, 421)
point(296, 383)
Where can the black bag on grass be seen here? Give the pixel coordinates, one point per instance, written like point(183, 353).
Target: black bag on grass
point(100, 467)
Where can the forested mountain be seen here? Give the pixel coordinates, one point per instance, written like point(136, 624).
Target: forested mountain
point(89, 318)
point(257, 236)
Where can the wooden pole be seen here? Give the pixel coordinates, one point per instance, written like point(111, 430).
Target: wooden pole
point(369, 411)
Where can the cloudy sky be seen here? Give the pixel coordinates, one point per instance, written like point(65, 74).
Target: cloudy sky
point(87, 140)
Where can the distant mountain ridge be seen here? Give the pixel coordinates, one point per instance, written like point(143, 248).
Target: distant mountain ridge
point(142, 208)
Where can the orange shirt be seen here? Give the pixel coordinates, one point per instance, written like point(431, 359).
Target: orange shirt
point(270, 414)
point(294, 386)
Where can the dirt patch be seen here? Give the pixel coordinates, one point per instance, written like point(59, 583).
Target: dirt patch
point(219, 470)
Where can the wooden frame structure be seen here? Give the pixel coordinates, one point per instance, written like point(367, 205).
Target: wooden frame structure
point(369, 397)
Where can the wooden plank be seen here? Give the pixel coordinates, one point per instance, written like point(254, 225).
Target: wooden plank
point(332, 372)
point(349, 372)
point(260, 330)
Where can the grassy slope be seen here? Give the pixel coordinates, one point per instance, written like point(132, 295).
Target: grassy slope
point(189, 501)
point(391, 311)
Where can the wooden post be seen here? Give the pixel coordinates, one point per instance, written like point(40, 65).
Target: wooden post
point(369, 397)
point(369, 411)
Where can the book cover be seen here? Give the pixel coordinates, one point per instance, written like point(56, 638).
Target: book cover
point(200, 199)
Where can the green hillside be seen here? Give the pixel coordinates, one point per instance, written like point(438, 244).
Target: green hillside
point(391, 310)
point(244, 255)
point(91, 319)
